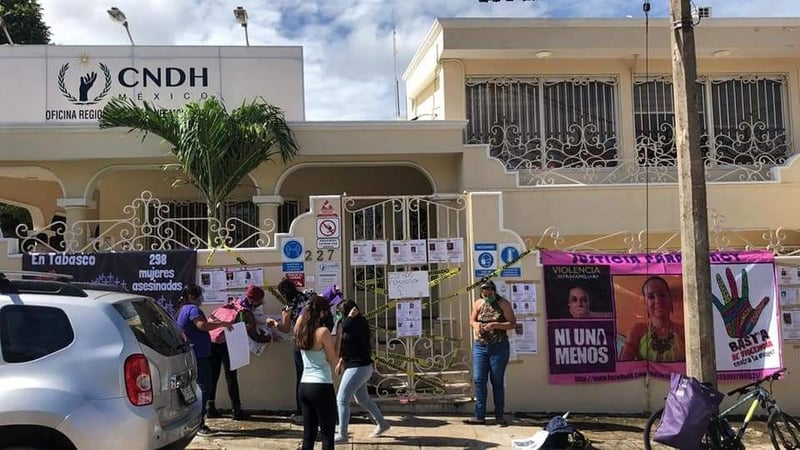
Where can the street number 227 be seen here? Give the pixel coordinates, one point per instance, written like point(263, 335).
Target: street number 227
point(320, 255)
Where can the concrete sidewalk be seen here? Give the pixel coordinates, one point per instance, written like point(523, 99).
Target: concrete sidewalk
point(272, 431)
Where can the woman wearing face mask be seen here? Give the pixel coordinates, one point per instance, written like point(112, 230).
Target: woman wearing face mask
point(491, 316)
point(196, 327)
point(355, 366)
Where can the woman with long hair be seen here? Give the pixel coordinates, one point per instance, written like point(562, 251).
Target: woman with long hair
point(660, 339)
point(196, 327)
point(491, 317)
point(355, 366)
point(295, 302)
point(316, 394)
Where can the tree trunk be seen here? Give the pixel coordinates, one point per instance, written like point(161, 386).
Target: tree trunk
point(212, 228)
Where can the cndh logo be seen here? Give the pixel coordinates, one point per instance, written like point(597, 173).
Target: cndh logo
point(87, 82)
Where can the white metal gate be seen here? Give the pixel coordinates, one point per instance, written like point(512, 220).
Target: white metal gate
point(435, 366)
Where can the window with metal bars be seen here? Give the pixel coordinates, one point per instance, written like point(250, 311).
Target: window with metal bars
point(188, 218)
point(743, 121)
point(544, 123)
point(287, 212)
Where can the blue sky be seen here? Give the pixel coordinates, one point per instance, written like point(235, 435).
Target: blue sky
point(347, 44)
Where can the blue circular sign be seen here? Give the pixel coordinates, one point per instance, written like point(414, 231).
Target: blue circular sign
point(486, 260)
point(292, 249)
point(509, 254)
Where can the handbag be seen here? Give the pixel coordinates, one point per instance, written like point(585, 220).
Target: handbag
point(687, 413)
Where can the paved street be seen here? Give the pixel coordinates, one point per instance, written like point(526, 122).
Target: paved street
point(435, 431)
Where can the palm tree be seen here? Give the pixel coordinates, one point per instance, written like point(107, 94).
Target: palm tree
point(215, 149)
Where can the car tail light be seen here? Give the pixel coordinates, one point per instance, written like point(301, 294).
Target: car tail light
point(137, 380)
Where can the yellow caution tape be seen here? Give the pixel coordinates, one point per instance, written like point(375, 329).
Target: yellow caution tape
point(271, 289)
point(393, 334)
point(443, 274)
point(388, 359)
point(391, 303)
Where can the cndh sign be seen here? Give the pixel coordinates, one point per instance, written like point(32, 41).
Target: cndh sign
point(93, 83)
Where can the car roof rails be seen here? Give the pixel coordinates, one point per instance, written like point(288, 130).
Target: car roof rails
point(47, 283)
point(36, 275)
point(101, 287)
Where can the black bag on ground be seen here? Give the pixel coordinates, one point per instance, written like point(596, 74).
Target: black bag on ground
point(564, 436)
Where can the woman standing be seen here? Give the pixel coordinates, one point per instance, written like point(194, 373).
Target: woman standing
point(491, 316)
point(241, 310)
point(355, 366)
point(295, 302)
point(317, 350)
point(195, 326)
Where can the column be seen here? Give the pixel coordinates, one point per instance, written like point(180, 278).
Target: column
point(78, 230)
point(268, 215)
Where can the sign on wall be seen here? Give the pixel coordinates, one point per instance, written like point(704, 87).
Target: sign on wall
point(73, 83)
point(292, 253)
point(159, 274)
point(485, 258)
point(618, 317)
point(411, 284)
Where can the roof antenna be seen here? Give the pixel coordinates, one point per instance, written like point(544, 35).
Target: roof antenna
point(394, 58)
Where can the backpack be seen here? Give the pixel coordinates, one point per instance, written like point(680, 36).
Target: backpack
point(225, 313)
point(562, 435)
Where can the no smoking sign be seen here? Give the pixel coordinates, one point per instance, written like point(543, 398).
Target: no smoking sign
point(328, 228)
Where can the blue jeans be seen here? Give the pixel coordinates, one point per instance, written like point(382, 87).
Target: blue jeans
point(354, 383)
point(489, 362)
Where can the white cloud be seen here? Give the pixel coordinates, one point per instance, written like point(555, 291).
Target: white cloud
point(347, 44)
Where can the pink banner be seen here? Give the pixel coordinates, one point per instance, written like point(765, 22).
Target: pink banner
point(617, 317)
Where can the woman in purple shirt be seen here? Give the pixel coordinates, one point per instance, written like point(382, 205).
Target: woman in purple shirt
point(195, 326)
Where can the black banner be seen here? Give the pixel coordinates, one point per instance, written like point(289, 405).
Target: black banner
point(158, 274)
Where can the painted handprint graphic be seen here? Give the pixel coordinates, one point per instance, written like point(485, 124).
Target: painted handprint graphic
point(87, 82)
point(738, 314)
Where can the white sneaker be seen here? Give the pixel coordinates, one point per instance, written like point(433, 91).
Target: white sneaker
point(339, 438)
point(379, 430)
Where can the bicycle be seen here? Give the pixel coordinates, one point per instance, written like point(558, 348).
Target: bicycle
point(784, 430)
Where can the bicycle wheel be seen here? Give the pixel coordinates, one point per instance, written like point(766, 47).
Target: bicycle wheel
point(784, 431)
point(709, 439)
point(650, 431)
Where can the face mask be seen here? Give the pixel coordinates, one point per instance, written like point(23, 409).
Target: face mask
point(491, 299)
point(199, 300)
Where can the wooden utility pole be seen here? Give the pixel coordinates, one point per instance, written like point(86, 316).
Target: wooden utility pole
point(697, 309)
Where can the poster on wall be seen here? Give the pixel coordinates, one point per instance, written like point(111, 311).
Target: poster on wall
point(409, 318)
point(616, 317)
point(221, 285)
point(407, 252)
point(158, 274)
point(525, 333)
point(446, 250)
point(791, 325)
point(368, 253)
point(523, 298)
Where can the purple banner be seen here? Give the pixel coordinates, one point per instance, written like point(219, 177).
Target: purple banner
point(581, 346)
point(615, 317)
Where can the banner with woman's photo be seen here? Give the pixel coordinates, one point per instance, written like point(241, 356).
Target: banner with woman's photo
point(617, 317)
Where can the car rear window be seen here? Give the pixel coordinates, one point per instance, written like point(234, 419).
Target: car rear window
point(28, 333)
point(152, 326)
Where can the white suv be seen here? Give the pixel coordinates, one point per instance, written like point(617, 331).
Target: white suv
point(84, 368)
